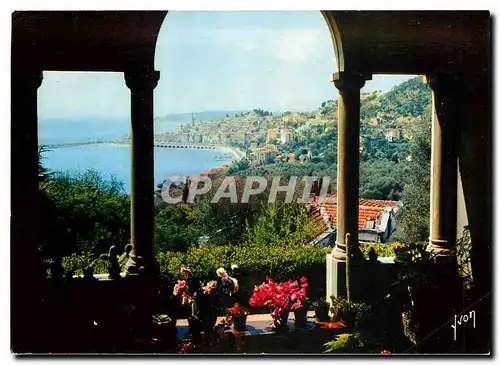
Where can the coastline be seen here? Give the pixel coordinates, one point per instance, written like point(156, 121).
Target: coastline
point(236, 152)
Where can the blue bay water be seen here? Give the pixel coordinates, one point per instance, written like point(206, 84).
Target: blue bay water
point(52, 131)
point(114, 160)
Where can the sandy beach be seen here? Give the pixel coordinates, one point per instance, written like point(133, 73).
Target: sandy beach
point(236, 152)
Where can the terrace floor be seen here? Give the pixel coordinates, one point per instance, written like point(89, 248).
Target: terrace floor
point(261, 338)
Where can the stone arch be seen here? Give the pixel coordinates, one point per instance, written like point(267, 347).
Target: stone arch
point(336, 39)
point(335, 35)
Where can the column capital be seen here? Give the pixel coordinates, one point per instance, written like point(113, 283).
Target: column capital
point(444, 82)
point(141, 80)
point(349, 80)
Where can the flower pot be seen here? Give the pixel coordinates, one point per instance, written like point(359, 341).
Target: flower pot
point(240, 323)
point(321, 313)
point(300, 318)
point(280, 322)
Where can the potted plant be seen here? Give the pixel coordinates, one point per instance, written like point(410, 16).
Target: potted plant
point(335, 308)
point(351, 313)
point(280, 298)
point(202, 301)
point(321, 309)
point(299, 301)
point(300, 315)
point(238, 316)
point(417, 284)
point(269, 294)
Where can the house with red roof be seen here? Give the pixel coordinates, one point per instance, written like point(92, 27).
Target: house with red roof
point(376, 220)
point(393, 134)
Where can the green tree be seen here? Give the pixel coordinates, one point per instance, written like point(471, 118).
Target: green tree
point(282, 223)
point(83, 213)
point(414, 220)
point(176, 228)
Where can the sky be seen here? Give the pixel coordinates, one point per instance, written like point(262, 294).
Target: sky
point(272, 60)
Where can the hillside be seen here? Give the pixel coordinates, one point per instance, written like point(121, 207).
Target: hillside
point(387, 121)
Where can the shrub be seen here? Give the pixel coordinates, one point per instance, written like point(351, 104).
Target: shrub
point(343, 343)
point(384, 249)
point(381, 249)
point(77, 263)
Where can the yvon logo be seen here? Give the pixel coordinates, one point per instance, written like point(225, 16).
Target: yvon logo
point(463, 318)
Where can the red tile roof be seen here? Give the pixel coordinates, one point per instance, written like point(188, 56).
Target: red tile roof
point(320, 226)
point(365, 214)
point(368, 210)
point(363, 202)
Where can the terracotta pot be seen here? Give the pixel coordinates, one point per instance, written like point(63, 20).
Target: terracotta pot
point(240, 323)
point(300, 317)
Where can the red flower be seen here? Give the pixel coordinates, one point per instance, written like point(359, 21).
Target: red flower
point(385, 352)
point(236, 310)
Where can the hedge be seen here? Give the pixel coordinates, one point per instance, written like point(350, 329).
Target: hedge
point(77, 262)
point(381, 249)
point(254, 262)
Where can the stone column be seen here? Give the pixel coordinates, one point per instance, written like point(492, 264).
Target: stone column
point(349, 86)
point(444, 163)
point(26, 258)
point(141, 85)
point(24, 168)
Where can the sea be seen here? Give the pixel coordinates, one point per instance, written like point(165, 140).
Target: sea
point(114, 159)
